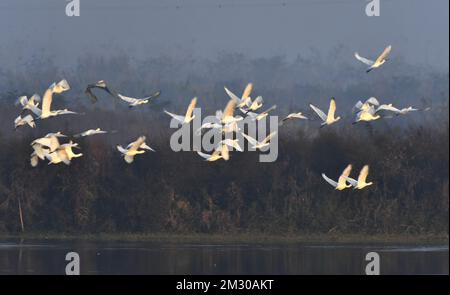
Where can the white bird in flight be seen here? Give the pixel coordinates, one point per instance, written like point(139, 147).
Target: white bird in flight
point(90, 132)
point(259, 144)
point(27, 120)
point(227, 116)
point(361, 182)
point(262, 115)
point(31, 103)
point(49, 147)
point(208, 125)
point(188, 117)
point(380, 112)
point(221, 152)
point(402, 111)
point(63, 154)
point(234, 143)
point(46, 111)
point(39, 152)
point(291, 116)
point(254, 105)
point(132, 102)
point(341, 184)
point(378, 62)
point(245, 100)
point(135, 148)
point(327, 119)
point(371, 114)
point(364, 106)
point(24, 100)
point(50, 141)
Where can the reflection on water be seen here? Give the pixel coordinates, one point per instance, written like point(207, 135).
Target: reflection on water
point(48, 257)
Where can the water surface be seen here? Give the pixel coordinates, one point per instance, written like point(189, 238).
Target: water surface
point(48, 257)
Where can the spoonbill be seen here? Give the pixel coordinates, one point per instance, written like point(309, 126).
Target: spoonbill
point(135, 148)
point(378, 62)
point(46, 111)
point(262, 115)
point(259, 145)
point(330, 117)
point(50, 141)
point(291, 116)
point(132, 102)
point(63, 154)
point(189, 116)
point(341, 184)
point(27, 120)
point(234, 143)
point(221, 152)
point(90, 132)
point(361, 182)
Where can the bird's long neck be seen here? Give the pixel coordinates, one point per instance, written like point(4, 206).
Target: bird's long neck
point(46, 98)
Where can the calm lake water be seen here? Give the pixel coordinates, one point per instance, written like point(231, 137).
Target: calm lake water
point(48, 257)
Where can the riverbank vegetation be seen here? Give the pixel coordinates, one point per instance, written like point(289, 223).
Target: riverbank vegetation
point(179, 193)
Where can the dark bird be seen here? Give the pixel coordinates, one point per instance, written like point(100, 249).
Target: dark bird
point(101, 85)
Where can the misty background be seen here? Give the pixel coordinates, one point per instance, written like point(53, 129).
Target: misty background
point(295, 53)
point(417, 29)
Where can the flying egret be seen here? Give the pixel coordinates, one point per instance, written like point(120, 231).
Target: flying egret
point(234, 143)
point(132, 102)
point(298, 115)
point(245, 99)
point(254, 105)
point(50, 141)
point(364, 106)
point(46, 111)
point(367, 115)
point(63, 154)
point(208, 125)
point(189, 113)
point(361, 182)
point(27, 120)
point(262, 115)
point(135, 148)
point(378, 62)
point(24, 100)
point(90, 132)
point(227, 116)
point(402, 111)
point(259, 145)
point(221, 152)
point(216, 155)
point(31, 104)
point(330, 117)
point(341, 184)
point(39, 153)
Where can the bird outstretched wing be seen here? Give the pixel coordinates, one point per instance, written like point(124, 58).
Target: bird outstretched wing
point(319, 112)
point(364, 60)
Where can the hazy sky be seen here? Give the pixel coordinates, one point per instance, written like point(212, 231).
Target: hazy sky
point(417, 29)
